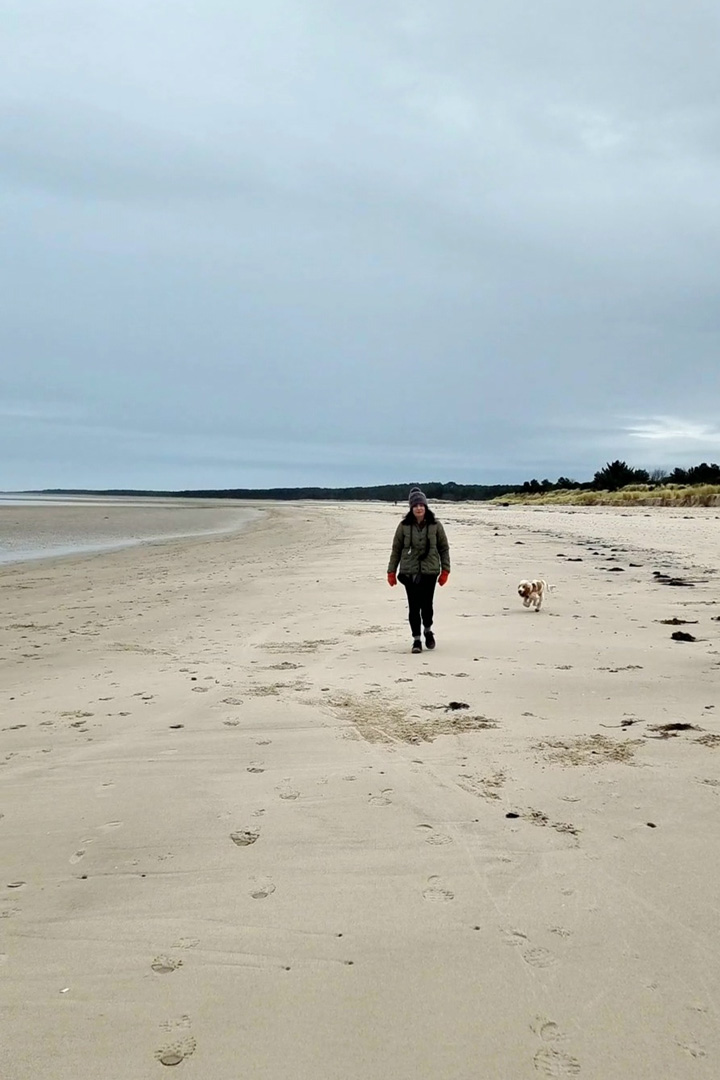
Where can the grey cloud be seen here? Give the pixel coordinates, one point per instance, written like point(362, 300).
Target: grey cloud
point(474, 234)
point(90, 154)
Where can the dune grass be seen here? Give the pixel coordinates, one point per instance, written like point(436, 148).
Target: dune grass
point(632, 495)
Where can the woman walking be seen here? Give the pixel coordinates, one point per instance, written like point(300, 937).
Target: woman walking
point(420, 549)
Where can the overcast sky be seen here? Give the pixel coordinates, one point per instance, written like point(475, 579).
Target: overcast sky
point(356, 241)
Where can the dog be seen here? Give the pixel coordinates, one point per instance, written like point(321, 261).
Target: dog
point(533, 593)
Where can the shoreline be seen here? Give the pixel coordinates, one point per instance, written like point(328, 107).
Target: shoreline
point(241, 820)
point(35, 530)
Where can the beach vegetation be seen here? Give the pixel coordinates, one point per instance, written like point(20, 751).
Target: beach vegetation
point(633, 495)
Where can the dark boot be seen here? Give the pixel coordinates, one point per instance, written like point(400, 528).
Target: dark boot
point(429, 639)
point(417, 645)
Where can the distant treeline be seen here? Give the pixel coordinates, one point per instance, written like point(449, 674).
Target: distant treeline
point(618, 474)
point(614, 475)
point(380, 492)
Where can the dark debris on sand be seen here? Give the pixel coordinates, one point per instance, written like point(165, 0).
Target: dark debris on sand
point(674, 579)
point(671, 731)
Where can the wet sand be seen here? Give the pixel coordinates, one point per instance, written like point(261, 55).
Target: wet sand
point(46, 527)
point(244, 833)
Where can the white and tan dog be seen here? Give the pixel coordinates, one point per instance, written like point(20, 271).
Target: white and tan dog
point(533, 593)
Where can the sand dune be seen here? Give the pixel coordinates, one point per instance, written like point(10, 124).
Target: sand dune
point(245, 833)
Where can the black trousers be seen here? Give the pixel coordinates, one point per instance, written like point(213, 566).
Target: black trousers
point(420, 600)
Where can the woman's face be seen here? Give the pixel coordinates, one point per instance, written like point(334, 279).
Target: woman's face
point(419, 512)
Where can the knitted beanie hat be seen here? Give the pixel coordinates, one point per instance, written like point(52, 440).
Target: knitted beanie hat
point(417, 497)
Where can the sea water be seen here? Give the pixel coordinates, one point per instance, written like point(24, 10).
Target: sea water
point(38, 527)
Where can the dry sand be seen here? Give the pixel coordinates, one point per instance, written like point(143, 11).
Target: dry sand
point(243, 835)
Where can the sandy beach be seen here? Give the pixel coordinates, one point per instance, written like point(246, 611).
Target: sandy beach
point(245, 833)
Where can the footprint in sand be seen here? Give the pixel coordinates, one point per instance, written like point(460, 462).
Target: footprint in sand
point(515, 937)
point(693, 1049)
point(180, 1041)
point(261, 887)
point(435, 893)
point(432, 837)
point(285, 791)
point(244, 837)
point(552, 1062)
point(255, 767)
point(534, 955)
point(77, 856)
point(164, 965)
point(109, 826)
point(539, 957)
point(186, 943)
point(547, 1030)
point(381, 799)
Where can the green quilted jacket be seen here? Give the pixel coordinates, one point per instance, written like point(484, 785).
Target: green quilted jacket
point(423, 550)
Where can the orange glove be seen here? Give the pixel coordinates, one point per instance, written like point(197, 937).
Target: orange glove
point(392, 579)
point(444, 575)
